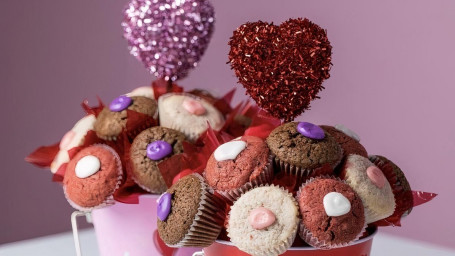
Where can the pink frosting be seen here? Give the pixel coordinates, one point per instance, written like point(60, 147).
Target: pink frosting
point(194, 107)
point(261, 218)
point(376, 176)
point(66, 140)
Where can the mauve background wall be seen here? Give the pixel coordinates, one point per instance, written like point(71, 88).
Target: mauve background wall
point(392, 82)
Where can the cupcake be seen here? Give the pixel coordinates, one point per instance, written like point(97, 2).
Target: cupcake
point(188, 214)
point(149, 148)
point(371, 185)
point(238, 165)
point(350, 145)
point(73, 138)
point(92, 177)
point(116, 118)
point(263, 221)
point(189, 114)
point(304, 149)
point(332, 213)
point(400, 187)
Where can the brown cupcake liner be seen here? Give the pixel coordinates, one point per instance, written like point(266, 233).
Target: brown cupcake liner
point(302, 174)
point(265, 177)
point(205, 227)
point(307, 235)
point(285, 245)
point(109, 199)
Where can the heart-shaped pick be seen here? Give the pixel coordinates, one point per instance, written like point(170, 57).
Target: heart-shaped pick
point(281, 67)
point(168, 36)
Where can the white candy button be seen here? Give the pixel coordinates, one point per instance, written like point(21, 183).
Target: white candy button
point(87, 166)
point(335, 204)
point(229, 150)
point(347, 131)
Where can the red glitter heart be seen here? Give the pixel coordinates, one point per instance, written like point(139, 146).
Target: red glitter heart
point(281, 67)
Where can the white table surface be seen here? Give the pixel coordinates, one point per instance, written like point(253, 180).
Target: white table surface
point(62, 245)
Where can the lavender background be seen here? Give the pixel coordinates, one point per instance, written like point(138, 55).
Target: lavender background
point(392, 82)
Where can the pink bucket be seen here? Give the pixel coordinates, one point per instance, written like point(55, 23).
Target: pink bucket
point(359, 248)
point(130, 229)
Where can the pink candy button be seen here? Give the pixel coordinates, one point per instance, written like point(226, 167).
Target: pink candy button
point(261, 218)
point(376, 176)
point(194, 107)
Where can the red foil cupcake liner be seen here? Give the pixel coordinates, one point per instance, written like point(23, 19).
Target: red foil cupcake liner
point(265, 177)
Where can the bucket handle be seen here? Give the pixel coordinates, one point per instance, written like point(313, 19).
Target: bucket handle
point(74, 216)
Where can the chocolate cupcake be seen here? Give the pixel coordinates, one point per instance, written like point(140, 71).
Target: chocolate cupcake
point(332, 213)
point(149, 148)
point(239, 165)
point(400, 187)
point(115, 119)
point(188, 214)
point(371, 185)
point(349, 144)
point(263, 221)
point(304, 149)
point(92, 177)
point(189, 114)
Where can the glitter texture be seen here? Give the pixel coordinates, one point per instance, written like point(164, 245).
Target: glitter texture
point(168, 36)
point(281, 67)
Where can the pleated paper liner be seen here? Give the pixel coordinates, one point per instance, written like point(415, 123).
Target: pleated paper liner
point(303, 174)
point(306, 234)
point(207, 223)
point(284, 245)
point(109, 199)
point(265, 177)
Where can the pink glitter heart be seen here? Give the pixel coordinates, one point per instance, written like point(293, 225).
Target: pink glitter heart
point(168, 36)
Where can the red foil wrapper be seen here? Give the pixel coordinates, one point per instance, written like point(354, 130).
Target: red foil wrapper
point(262, 125)
point(161, 86)
point(93, 110)
point(420, 197)
point(43, 156)
point(129, 191)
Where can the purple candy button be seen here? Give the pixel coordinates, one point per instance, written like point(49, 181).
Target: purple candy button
point(120, 103)
point(158, 150)
point(164, 206)
point(310, 130)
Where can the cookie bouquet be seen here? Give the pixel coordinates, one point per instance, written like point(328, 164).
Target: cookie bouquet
point(247, 174)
